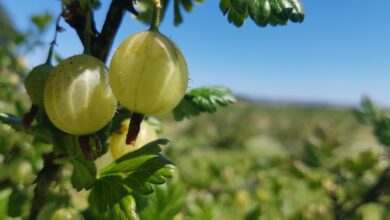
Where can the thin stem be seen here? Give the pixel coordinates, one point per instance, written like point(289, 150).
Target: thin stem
point(134, 127)
point(29, 117)
point(54, 41)
point(155, 24)
point(87, 32)
point(45, 178)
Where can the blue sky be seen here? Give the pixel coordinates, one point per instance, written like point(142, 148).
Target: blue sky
point(339, 53)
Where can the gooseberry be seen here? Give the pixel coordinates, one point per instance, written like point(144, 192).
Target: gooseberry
point(66, 214)
point(20, 171)
point(118, 146)
point(77, 97)
point(148, 73)
point(35, 83)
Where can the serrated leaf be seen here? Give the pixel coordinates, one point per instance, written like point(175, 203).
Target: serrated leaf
point(259, 11)
point(224, 6)
point(209, 98)
point(124, 209)
point(84, 174)
point(262, 12)
point(203, 99)
point(134, 172)
point(239, 5)
point(141, 168)
point(236, 18)
point(167, 201)
point(185, 109)
point(112, 199)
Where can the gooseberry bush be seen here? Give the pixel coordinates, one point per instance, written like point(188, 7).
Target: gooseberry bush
point(96, 119)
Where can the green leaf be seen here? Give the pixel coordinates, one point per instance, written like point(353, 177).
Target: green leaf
point(372, 114)
point(113, 199)
point(167, 201)
point(155, 123)
point(259, 11)
point(84, 174)
point(236, 18)
point(224, 6)
point(4, 200)
point(41, 20)
point(134, 172)
point(239, 5)
point(17, 201)
point(262, 12)
point(203, 99)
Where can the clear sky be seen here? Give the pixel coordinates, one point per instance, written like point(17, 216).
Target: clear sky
point(339, 53)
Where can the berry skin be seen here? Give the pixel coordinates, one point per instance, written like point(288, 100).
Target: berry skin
point(35, 83)
point(148, 73)
point(77, 97)
point(118, 146)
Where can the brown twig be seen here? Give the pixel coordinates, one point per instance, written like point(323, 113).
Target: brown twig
point(45, 178)
point(100, 47)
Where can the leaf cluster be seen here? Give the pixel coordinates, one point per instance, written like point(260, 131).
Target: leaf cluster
point(203, 99)
point(263, 12)
point(135, 172)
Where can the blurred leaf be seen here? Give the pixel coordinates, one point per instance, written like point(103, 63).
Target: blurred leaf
point(84, 174)
point(4, 201)
point(203, 99)
point(253, 214)
point(372, 114)
point(368, 112)
point(155, 123)
point(17, 200)
point(96, 4)
point(167, 201)
point(42, 20)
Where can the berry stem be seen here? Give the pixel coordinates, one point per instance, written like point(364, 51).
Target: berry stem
point(54, 41)
point(29, 117)
point(134, 127)
point(155, 24)
point(87, 32)
point(86, 147)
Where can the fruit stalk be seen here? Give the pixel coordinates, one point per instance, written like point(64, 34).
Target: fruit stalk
point(134, 127)
point(155, 24)
point(30, 116)
point(54, 41)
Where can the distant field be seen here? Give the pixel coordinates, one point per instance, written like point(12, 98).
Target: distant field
point(230, 162)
